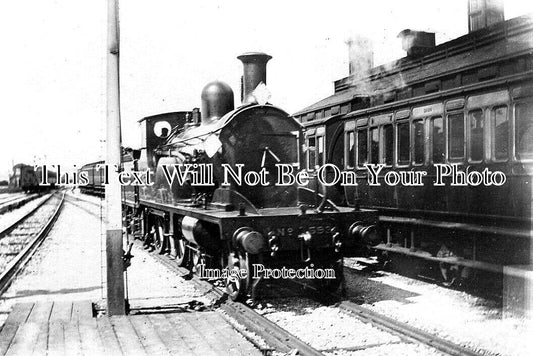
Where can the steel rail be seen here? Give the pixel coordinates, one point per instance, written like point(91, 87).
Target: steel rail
point(275, 336)
point(15, 202)
point(16, 265)
point(82, 199)
point(406, 331)
point(12, 197)
point(10, 228)
point(283, 341)
point(401, 329)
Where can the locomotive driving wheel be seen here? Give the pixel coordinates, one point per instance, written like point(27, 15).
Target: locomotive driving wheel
point(141, 232)
point(181, 252)
point(326, 285)
point(197, 258)
point(237, 284)
point(159, 237)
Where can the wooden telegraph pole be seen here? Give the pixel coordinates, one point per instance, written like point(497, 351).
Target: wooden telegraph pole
point(115, 270)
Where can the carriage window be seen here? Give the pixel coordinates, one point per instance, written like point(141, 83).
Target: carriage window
point(437, 129)
point(524, 130)
point(456, 135)
point(374, 145)
point(475, 122)
point(350, 142)
point(320, 142)
point(311, 153)
point(418, 132)
point(388, 144)
point(362, 148)
point(403, 143)
point(500, 133)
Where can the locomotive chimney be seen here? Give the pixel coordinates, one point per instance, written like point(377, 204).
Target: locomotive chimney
point(254, 64)
point(483, 13)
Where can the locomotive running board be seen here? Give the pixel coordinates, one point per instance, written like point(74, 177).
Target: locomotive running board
point(491, 267)
point(457, 226)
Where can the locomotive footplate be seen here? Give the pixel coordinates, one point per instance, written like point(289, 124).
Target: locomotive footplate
point(285, 229)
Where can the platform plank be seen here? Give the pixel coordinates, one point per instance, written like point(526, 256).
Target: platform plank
point(68, 328)
point(235, 338)
point(82, 311)
point(91, 341)
point(109, 339)
point(127, 337)
point(40, 312)
point(218, 339)
point(191, 335)
point(6, 337)
point(151, 341)
point(72, 338)
point(171, 338)
point(19, 314)
point(41, 344)
point(24, 341)
point(56, 338)
point(61, 312)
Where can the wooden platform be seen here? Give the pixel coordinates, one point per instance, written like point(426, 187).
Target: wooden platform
point(69, 328)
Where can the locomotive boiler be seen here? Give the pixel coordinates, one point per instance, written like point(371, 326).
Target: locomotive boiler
point(211, 216)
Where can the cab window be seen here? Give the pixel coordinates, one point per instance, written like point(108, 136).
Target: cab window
point(321, 154)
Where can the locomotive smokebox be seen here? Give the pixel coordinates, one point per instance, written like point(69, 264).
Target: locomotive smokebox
point(254, 64)
point(217, 100)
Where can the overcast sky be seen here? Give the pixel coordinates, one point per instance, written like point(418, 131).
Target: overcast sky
point(52, 68)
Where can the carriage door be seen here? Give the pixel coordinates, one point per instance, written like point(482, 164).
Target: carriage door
point(335, 155)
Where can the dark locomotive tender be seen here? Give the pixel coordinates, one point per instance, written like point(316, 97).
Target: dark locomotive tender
point(238, 225)
point(23, 178)
point(467, 102)
point(27, 179)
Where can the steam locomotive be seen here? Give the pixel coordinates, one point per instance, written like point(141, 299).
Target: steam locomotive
point(466, 104)
point(227, 224)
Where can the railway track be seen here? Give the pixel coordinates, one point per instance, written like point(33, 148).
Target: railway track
point(20, 240)
point(276, 337)
point(7, 197)
point(283, 341)
point(79, 198)
point(14, 201)
point(406, 332)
